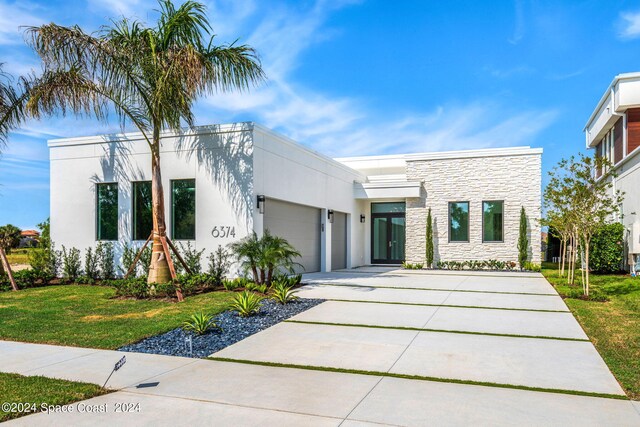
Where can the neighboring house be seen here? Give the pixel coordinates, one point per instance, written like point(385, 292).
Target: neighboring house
point(613, 131)
point(224, 181)
point(29, 238)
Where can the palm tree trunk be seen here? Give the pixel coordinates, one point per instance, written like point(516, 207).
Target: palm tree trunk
point(159, 269)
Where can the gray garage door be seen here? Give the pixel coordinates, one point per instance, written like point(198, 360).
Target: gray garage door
point(300, 225)
point(339, 241)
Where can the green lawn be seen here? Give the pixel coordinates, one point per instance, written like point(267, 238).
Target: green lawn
point(18, 256)
point(613, 326)
point(15, 388)
point(90, 316)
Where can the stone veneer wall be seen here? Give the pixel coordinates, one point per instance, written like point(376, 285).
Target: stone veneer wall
point(516, 179)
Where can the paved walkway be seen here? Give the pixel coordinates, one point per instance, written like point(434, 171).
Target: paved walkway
point(503, 332)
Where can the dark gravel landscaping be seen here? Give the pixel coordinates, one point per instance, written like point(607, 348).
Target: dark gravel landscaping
point(233, 328)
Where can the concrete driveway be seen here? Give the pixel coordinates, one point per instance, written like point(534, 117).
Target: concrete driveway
point(438, 348)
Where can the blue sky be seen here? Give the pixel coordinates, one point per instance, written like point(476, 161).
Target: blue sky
point(369, 77)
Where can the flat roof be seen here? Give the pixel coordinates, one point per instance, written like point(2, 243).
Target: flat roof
point(435, 155)
point(614, 82)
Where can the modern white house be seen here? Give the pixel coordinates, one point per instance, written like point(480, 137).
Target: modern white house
point(613, 131)
point(225, 181)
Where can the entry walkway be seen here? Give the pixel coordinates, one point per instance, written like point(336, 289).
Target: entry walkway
point(513, 355)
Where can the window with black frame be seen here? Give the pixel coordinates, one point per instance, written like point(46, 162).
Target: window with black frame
point(492, 221)
point(458, 221)
point(107, 211)
point(183, 209)
point(142, 210)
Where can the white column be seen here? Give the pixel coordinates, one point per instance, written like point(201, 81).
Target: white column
point(349, 239)
point(325, 242)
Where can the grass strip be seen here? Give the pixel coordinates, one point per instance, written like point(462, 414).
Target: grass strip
point(434, 289)
point(447, 305)
point(517, 275)
point(447, 331)
point(418, 377)
point(39, 392)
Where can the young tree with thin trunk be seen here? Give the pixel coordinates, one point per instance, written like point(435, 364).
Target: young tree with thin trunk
point(429, 242)
point(584, 202)
point(150, 75)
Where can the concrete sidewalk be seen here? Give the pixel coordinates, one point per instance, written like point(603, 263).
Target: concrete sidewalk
point(201, 392)
point(487, 345)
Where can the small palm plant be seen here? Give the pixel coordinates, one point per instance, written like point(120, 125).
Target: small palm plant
point(283, 292)
point(246, 303)
point(265, 256)
point(199, 323)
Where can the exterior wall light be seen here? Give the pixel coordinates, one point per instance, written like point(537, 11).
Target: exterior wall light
point(330, 215)
point(261, 203)
point(362, 218)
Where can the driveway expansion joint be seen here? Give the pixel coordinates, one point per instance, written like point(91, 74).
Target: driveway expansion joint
point(446, 331)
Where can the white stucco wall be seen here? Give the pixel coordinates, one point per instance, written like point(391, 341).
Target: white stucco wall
point(218, 157)
point(288, 171)
point(231, 164)
point(628, 182)
point(489, 175)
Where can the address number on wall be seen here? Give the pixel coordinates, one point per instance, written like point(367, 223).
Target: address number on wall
point(223, 231)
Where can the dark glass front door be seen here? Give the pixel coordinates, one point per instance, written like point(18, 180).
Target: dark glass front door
point(387, 233)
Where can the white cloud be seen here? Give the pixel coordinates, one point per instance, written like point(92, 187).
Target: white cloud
point(340, 126)
point(12, 17)
point(519, 28)
point(629, 25)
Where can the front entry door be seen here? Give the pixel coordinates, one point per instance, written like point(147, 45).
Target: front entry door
point(387, 233)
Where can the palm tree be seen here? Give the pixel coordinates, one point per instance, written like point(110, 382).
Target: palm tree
point(150, 76)
point(265, 255)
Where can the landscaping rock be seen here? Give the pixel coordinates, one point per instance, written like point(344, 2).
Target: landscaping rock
point(232, 328)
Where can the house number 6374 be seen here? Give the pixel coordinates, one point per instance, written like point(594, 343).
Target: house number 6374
point(223, 231)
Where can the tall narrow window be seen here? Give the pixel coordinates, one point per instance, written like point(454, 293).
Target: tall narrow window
point(107, 211)
point(142, 216)
point(492, 221)
point(183, 209)
point(458, 221)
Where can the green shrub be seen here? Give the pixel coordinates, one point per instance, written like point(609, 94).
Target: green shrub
point(283, 292)
point(91, 268)
point(135, 287)
point(27, 279)
point(429, 241)
point(191, 257)
point(128, 256)
point(145, 260)
point(199, 323)
point(164, 290)
point(242, 281)
point(530, 266)
point(257, 288)
point(219, 264)
point(104, 253)
point(45, 262)
point(290, 281)
point(607, 248)
point(230, 285)
point(71, 264)
point(410, 266)
point(196, 283)
point(246, 303)
point(523, 241)
point(85, 280)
